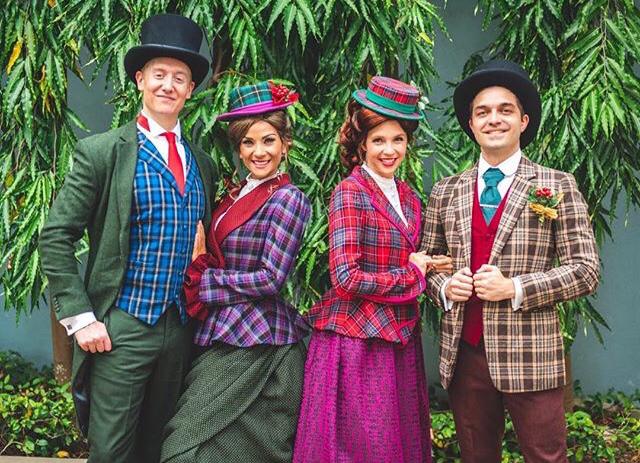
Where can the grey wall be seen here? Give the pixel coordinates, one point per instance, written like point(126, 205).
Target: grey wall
point(598, 368)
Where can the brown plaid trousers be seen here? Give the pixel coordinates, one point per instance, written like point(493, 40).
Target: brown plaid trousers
point(556, 261)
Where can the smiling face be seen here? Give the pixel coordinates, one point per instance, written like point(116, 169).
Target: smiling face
point(261, 150)
point(165, 84)
point(497, 122)
point(385, 148)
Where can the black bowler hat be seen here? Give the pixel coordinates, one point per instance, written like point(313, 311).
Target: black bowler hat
point(168, 36)
point(500, 73)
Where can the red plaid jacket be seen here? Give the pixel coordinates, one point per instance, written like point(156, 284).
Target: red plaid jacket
point(374, 287)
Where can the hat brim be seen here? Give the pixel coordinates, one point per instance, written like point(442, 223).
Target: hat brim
point(361, 97)
point(522, 87)
point(252, 110)
point(138, 56)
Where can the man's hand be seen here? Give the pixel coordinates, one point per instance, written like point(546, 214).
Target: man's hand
point(460, 286)
point(94, 338)
point(491, 285)
point(441, 264)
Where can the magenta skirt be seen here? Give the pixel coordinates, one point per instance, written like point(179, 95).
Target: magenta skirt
point(364, 401)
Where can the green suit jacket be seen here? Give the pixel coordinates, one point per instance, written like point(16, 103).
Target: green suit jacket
point(96, 197)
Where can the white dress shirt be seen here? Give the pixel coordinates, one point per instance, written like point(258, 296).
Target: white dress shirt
point(509, 168)
point(154, 134)
point(389, 189)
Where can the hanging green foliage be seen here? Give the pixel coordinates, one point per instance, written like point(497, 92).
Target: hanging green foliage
point(582, 56)
point(324, 49)
point(36, 136)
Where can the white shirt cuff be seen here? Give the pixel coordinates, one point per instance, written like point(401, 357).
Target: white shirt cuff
point(77, 322)
point(516, 301)
point(446, 304)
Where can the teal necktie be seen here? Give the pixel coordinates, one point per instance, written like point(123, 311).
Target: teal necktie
point(490, 197)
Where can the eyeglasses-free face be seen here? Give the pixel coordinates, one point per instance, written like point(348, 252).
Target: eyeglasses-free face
point(385, 148)
point(497, 121)
point(261, 150)
point(166, 85)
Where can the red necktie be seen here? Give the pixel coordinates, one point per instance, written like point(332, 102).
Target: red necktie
point(175, 164)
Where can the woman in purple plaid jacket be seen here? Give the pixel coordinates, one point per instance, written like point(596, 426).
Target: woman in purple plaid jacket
point(365, 392)
point(242, 395)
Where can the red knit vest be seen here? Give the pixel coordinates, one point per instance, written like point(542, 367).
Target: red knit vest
point(482, 238)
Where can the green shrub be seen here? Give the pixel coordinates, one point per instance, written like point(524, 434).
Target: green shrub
point(36, 413)
point(37, 418)
point(17, 369)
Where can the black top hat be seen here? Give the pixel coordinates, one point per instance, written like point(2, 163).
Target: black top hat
point(171, 36)
point(499, 73)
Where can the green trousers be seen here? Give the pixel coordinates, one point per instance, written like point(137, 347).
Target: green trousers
point(135, 386)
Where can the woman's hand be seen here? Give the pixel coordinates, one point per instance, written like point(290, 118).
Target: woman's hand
point(199, 245)
point(420, 260)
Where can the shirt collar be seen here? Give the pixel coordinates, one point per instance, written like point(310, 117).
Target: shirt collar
point(156, 129)
point(379, 179)
point(254, 182)
point(508, 167)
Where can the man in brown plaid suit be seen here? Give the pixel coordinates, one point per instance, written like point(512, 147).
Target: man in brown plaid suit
point(501, 345)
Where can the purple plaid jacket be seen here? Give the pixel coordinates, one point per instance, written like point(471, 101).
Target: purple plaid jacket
point(246, 307)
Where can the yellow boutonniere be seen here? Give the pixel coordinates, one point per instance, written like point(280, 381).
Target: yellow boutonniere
point(544, 203)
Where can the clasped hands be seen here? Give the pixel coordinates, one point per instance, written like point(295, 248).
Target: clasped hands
point(426, 264)
point(488, 283)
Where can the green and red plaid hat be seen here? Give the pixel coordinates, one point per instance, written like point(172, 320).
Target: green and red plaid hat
point(390, 97)
point(263, 97)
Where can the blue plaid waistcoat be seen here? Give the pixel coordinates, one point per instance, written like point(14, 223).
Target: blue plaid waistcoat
point(163, 227)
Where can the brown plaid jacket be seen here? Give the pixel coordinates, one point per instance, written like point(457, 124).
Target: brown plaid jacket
point(555, 261)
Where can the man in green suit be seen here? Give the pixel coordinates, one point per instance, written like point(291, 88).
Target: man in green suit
point(139, 191)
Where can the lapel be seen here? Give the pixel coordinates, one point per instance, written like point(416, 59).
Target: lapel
point(190, 177)
point(516, 202)
point(124, 171)
point(383, 206)
point(207, 179)
point(150, 154)
point(245, 207)
point(412, 208)
point(463, 208)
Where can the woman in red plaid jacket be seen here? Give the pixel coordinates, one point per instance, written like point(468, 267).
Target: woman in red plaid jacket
point(365, 392)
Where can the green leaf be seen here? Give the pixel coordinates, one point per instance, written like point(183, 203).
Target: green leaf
point(277, 10)
point(302, 28)
point(289, 17)
point(308, 14)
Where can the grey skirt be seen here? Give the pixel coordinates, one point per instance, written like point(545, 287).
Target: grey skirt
point(240, 404)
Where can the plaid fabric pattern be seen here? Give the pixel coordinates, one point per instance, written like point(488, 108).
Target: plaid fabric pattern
point(374, 288)
point(249, 94)
point(247, 307)
point(163, 224)
point(394, 90)
point(524, 348)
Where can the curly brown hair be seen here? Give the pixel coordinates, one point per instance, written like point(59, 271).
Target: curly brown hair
point(353, 132)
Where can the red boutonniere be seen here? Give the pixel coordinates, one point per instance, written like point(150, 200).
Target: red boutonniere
point(544, 203)
point(281, 94)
